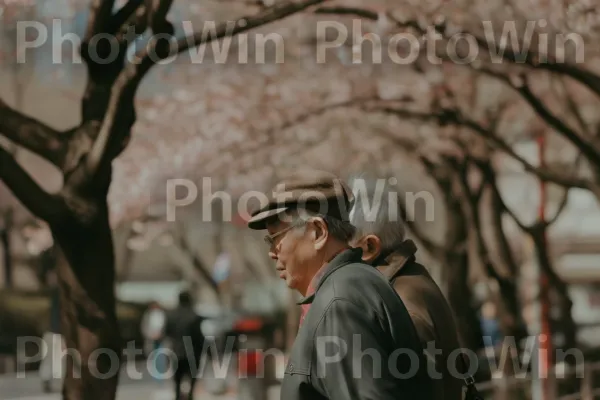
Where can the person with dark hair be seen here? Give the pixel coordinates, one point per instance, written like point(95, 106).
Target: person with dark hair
point(183, 329)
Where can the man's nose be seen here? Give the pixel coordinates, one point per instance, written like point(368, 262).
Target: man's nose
point(273, 254)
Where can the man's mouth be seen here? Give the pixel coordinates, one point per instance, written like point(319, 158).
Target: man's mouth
point(281, 271)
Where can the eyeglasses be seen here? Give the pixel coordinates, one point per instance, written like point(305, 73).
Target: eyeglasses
point(270, 239)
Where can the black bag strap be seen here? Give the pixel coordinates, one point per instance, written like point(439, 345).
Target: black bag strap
point(471, 393)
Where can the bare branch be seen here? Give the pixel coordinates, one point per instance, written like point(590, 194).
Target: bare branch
point(564, 200)
point(522, 87)
point(490, 178)
point(99, 18)
point(454, 117)
point(574, 108)
point(44, 205)
point(112, 135)
point(532, 58)
point(32, 135)
point(507, 257)
point(125, 14)
point(353, 11)
point(198, 264)
point(433, 248)
point(157, 11)
point(147, 58)
point(561, 207)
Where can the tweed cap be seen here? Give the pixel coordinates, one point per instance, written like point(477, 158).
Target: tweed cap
point(316, 191)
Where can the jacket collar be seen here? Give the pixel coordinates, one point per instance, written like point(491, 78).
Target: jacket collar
point(394, 262)
point(346, 257)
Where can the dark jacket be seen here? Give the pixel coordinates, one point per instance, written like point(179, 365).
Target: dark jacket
point(184, 329)
point(55, 310)
point(356, 314)
point(431, 315)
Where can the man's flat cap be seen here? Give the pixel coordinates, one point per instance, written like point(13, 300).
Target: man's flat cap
point(316, 191)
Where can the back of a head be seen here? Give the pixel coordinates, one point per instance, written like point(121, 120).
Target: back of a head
point(377, 210)
point(185, 299)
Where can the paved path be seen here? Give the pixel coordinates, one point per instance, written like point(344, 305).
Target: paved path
point(134, 387)
point(150, 391)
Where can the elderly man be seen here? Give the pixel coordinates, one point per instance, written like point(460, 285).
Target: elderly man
point(348, 346)
point(380, 234)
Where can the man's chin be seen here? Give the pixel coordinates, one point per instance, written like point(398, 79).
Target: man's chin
point(290, 282)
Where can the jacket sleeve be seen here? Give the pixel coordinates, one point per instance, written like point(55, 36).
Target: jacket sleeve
point(352, 353)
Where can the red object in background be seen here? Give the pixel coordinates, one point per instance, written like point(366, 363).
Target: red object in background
point(248, 325)
point(249, 362)
point(594, 299)
point(240, 219)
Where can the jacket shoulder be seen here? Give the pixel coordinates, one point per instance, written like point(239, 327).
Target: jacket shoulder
point(354, 280)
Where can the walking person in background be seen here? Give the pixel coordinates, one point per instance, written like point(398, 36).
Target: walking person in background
point(490, 326)
point(52, 338)
point(153, 330)
point(184, 331)
point(380, 233)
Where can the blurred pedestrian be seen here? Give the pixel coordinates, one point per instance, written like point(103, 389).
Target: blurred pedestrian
point(348, 303)
point(184, 331)
point(380, 232)
point(153, 330)
point(52, 363)
point(490, 326)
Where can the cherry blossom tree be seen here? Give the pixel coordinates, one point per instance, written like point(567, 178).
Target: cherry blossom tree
point(247, 125)
point(78, 215)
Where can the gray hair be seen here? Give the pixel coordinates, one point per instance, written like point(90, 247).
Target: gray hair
point(377, 210)
point(341, 230)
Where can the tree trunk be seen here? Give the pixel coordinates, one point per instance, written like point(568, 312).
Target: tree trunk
point(460, 298)
point(564, 323)
point(510, 312)
point(6, 247)
point(86, 272)
point(560, 288)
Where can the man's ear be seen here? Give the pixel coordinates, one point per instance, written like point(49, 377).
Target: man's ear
point(371, 246)
point(320, 233)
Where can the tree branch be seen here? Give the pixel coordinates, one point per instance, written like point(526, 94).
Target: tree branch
point(439, 173)
point(99, 18)
point(574, 109)
point(561, 207)
point(532, 58)
point(523, 88)
point(454, 117)
point(157, 11)
point(585, 77)
point(112, 135)
point(444, 117)
point(195, 260)
point(432, 248)
point(352, 11)
point(125, 14)
point(506, 253)
point(32, 135)
point(44, 205)
point(490, 178)
point(147, 58)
